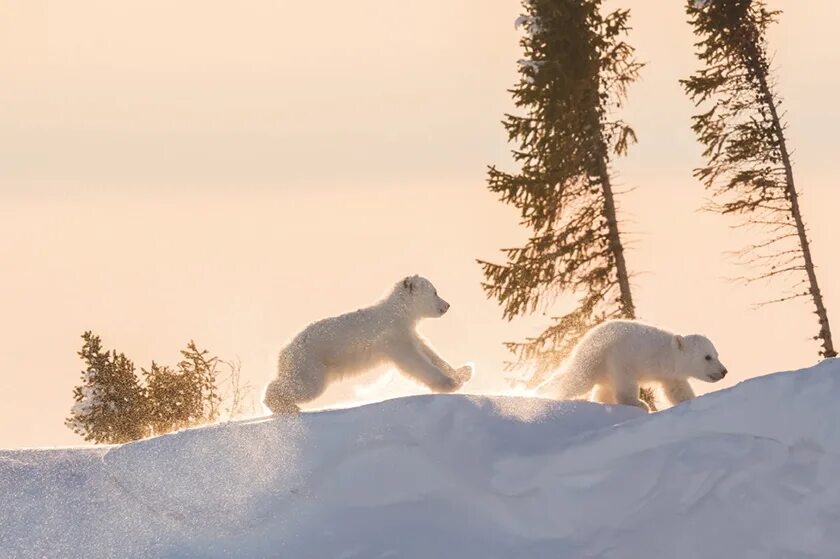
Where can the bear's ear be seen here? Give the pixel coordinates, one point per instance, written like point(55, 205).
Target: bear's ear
point(408, 284)
point(679, 342)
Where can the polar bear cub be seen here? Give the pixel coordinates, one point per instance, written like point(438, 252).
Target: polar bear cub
point(617, 356)
point(352, 343)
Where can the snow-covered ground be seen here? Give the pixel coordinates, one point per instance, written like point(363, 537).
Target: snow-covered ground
point(749, 472)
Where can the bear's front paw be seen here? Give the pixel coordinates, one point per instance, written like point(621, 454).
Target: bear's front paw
point(463, 374)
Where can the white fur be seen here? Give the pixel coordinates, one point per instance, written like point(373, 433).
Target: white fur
point(348, 345)
point(617, 356)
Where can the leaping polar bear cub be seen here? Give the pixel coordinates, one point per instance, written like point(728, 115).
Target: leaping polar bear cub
point(619, 355)
point(352, 343)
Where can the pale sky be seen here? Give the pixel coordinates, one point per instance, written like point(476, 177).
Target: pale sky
point(229, 172)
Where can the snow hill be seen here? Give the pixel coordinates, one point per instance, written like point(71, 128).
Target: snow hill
point(749, 472)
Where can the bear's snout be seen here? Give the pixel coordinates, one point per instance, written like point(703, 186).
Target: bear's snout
point(444, 307)
point(719, 376)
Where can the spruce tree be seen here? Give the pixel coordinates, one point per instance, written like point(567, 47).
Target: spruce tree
point(171, 399)
point(573, 78)
point(200, 370)
point(110, 405)
point(748, 164)
point(183, 397)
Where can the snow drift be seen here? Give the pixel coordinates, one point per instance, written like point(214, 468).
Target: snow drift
point(749, 472)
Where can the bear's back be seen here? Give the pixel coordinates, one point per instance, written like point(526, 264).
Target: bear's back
point(625, 338)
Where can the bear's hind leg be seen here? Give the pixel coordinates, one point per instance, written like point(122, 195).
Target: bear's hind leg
point(566, 385)
point(277, 400)
point(296, 383)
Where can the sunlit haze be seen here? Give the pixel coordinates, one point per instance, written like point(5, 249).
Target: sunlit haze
point(229, 172)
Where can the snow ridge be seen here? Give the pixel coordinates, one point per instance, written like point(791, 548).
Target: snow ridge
point(748, 472)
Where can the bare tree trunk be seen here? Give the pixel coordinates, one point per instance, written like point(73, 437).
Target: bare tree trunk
point(629, 310)
point(814, 288)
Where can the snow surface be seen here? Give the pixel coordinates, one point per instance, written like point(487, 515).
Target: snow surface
point(749, 472)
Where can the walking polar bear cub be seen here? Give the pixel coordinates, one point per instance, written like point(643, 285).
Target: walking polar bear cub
point(617, 356)
point(352, 343)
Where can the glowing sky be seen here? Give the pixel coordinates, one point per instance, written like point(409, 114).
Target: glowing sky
point(229, 172)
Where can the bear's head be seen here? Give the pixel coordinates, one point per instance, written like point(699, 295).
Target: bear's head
point(697, 357)
point(420, 297)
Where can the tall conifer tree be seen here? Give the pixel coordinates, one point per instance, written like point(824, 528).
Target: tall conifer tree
point(573, 77)
point(748, 164)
